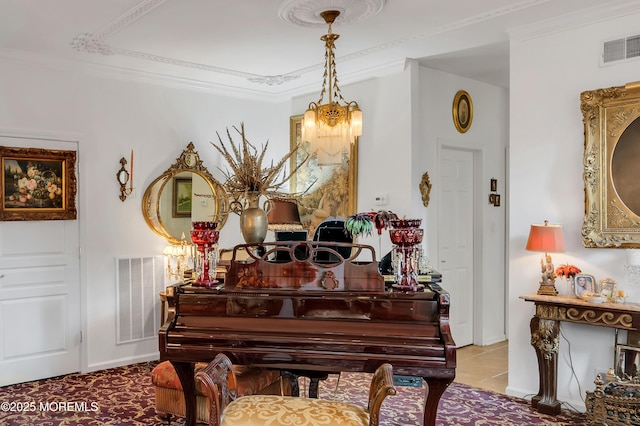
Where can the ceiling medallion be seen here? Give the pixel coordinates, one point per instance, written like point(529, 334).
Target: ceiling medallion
point(306, 13)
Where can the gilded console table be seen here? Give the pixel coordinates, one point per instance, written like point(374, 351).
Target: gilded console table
point(545, 328)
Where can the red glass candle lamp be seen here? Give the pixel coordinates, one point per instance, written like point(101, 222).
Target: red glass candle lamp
point(205, 236)
point(406, 234)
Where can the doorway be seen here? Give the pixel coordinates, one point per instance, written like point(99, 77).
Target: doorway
point(40, 321)
point(456, 245)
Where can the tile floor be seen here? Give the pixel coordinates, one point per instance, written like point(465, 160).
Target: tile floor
point(484, 367)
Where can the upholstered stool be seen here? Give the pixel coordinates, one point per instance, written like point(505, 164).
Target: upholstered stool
point(276, 410)
point(170, 398)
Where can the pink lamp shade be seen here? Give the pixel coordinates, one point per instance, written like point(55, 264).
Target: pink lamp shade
point(284, 215)
point(546, 238)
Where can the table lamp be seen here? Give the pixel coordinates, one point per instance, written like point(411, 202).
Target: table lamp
point(547, 239)
point(284, 215)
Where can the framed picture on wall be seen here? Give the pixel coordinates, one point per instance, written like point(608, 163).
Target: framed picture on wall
point(462, 111)
point(182, 197)
point(38, 184)
point(328, 190)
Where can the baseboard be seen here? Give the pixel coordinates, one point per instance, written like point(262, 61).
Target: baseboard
point(568, 405)
point(492, 340)
point(122, 361)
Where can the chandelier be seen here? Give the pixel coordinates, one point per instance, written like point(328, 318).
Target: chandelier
point(332, 127)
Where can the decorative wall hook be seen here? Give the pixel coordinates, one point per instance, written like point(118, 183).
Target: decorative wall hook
point(124, 177)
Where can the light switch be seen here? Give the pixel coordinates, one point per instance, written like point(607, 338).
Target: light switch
point(380, 199)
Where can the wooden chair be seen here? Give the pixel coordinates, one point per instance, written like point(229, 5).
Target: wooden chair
point(227, 409)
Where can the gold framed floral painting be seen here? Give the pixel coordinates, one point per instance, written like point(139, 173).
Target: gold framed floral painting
point(37, 184)
point(327, 190)
point(611, 119)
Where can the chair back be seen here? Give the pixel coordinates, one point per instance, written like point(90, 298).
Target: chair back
point(332, 230)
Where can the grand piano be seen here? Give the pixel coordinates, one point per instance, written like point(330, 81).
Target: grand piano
point(305, 315)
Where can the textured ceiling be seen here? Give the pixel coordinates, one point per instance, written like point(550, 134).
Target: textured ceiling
point(272, 48)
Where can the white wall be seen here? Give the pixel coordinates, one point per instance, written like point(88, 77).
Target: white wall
point(548, 73)
point(112, 117)
point(488, 135)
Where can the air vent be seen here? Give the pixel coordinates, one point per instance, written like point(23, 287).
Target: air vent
point(621, 49)
point(139, 282)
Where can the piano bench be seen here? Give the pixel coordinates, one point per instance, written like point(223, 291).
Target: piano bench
point(249, 380)
point(277, 410)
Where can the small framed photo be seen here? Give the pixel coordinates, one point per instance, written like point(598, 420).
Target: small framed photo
point(584, 283)
point(608, 288)
point(627, 362)
point(496, 200)
point(492, 198)
point(494, 185)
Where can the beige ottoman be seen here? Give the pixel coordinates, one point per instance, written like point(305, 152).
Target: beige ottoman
point(170, 398)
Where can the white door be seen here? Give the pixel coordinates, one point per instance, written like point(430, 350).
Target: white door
point(39, 292)
point(455, 238)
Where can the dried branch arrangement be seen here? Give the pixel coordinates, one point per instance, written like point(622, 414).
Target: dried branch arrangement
point(247, 175)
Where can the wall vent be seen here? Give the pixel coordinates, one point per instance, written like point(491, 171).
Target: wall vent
point(139, 282)
point(621, 49)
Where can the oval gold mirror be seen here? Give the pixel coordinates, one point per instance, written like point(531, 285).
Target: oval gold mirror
point(185, 193)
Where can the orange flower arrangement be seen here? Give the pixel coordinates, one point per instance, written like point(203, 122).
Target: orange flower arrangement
point(567, 271)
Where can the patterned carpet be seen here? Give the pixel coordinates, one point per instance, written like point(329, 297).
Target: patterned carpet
point(125, 396)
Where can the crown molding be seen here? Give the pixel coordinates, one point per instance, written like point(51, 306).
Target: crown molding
point(41, 135)
point(299, 12)
point(240, 92)
point(574, 20)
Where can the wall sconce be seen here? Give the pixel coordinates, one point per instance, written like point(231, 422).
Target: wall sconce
point(178, 257)
point(124, 177)
point(547, 239)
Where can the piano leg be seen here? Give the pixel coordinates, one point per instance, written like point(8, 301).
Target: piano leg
point(187, 380)
point(435, 389)
point(293, 379)
point(314, 380)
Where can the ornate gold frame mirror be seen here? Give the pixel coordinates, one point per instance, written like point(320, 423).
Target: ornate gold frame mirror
point(611, 157)
point(169, 211)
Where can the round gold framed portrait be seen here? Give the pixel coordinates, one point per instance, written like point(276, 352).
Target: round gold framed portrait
point(462, 111)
